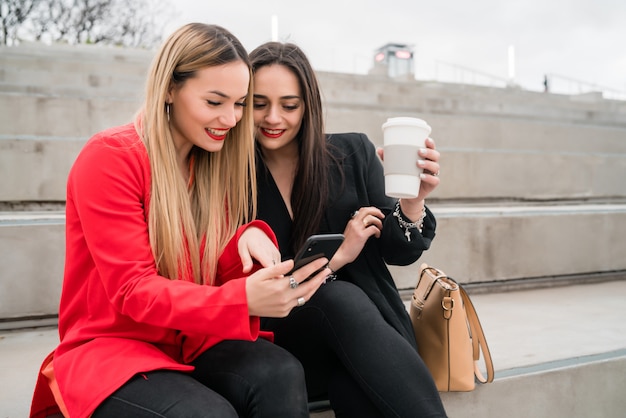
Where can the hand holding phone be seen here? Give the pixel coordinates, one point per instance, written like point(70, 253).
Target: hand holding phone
point(317, 246)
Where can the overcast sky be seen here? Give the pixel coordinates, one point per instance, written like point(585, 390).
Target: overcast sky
point(453, 40)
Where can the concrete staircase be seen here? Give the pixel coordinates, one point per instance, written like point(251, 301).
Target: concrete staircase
point(533, 198)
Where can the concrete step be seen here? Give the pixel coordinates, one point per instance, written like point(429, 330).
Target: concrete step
point(95, 66)
point(558, 352)
point(462, 116)
point(490, 243)
point(105, 86)
point(39, 164)
point(509, 174)
point(86, 111)
point(32, 251)
point(62, 116)
point(580, 387)
point(375, 92)
point(474, 244)
point(94, 69)
point(457, 130)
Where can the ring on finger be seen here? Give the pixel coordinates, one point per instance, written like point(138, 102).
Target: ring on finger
point(292, 282)
point(301, 301)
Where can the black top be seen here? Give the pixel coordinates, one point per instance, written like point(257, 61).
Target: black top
point(361, 185)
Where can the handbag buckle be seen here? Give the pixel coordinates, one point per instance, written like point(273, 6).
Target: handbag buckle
point(447, 303)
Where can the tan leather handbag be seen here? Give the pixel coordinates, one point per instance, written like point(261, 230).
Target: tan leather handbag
point(448, 333)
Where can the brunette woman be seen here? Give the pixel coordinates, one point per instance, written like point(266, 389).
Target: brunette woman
point(354, 336)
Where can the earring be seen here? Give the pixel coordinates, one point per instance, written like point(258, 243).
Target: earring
point(167, 110)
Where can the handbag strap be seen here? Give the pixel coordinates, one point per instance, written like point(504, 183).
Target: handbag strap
point(478, 340)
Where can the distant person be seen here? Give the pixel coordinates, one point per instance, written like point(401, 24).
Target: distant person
point(546, 84)
point(354, 336)
point(159, 316)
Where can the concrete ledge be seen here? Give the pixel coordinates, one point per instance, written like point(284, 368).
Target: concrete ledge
point(480, 244)
point(33, 253)
point(583, 389)
point(498, 243)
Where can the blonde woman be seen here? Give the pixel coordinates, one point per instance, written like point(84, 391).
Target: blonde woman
point(159, 314)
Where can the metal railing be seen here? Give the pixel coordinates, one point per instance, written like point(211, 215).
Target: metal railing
point(447, 72)
point(566, 85)
point(455, 73)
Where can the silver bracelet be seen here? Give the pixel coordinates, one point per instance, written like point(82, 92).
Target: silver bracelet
point(419, 225)
point(332, 276)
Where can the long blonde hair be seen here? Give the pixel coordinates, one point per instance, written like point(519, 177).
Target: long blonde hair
point(183, 219)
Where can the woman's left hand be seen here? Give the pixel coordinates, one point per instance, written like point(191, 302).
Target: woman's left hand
point(254, 244)
point(428, 161)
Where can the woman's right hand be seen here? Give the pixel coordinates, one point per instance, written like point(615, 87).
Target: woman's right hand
point(270, 293)
point(365, 223)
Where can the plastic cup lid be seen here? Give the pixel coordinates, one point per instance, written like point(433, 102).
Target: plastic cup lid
point(403, 120)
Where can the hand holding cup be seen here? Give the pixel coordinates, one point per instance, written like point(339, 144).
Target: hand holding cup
point(409, 157)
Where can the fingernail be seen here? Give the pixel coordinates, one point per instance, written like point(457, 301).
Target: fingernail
point(422, 176)
point(421, 163)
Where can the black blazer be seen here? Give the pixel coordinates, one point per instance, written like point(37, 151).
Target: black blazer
point(362, 185)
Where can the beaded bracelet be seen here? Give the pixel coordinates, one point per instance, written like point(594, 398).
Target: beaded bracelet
point(408, 225)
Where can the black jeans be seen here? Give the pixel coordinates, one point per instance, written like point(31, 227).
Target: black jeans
point(352, 356)
point(231, 379)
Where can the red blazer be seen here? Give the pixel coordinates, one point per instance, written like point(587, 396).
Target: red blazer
point(116, 316)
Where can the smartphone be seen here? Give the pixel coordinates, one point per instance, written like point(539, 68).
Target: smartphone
point(317, 246)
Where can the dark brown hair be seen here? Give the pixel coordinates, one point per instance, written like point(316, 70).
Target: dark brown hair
point(310, 187)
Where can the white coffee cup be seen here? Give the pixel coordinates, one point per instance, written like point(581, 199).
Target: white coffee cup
point(402, 138)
